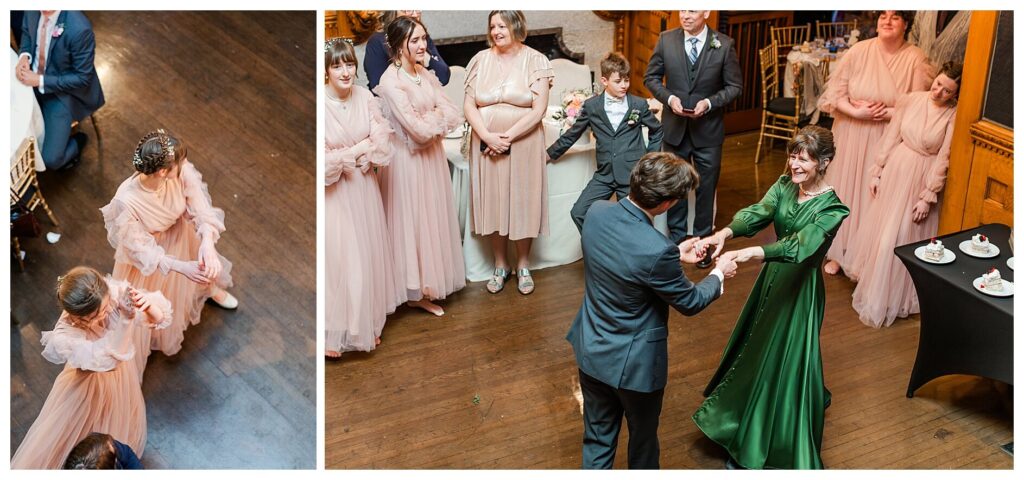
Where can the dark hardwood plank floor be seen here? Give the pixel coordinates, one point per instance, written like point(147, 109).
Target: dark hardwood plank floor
point(240, 88)
point(489, 385)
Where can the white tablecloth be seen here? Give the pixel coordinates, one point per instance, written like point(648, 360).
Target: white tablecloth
point(813, 77)
point(26, 118)
point(567, 177)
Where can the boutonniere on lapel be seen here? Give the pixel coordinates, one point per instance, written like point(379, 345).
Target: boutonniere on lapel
point(634, 116)
point(58, 30)
point(714, 41)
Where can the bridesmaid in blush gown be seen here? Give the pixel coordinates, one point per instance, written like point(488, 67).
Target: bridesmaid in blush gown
point(906, 179)
point(164, 231)
point(362, 287)
point(860, 95)
point(98, 390)
point(416, 186)
point(766, 403)
point(507, 89)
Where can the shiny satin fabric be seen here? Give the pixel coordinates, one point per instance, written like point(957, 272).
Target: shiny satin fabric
point(766, 403)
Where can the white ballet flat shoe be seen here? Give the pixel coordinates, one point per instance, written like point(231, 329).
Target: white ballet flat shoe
point(228, 303)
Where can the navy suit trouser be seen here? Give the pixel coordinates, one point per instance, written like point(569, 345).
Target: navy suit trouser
point(603, 408)
point(708, 162)
point(58, 148)
point(595, 190)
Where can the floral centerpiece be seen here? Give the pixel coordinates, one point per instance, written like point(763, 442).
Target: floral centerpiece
point(565, 116)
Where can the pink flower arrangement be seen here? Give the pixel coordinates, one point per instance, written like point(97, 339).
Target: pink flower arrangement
point(572, 105)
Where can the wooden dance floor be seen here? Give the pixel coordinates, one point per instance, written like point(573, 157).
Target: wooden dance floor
point(240, 88)
point(489, 385)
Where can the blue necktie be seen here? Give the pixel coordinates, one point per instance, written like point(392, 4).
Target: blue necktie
point(693, 50)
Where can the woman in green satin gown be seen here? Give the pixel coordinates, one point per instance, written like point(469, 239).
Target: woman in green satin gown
point(766, 403)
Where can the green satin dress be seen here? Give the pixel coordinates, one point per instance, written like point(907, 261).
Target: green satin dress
point(766, 403)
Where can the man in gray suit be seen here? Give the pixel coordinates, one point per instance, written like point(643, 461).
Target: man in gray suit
point(632, 274)
point(694, 71)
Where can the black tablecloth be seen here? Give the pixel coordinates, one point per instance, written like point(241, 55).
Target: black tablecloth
point(963, 331)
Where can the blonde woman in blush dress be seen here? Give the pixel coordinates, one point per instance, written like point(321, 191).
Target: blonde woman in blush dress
point(99, 388)
point(164, 231)
point(905, 182)
point(416, 186)
point(860, 95)
point(507, 88)
point(362, 288)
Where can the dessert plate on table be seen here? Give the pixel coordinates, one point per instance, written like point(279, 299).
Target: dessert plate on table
point(965, 246)
point(1009, 263)
point(947, 256)
point(1005, 292)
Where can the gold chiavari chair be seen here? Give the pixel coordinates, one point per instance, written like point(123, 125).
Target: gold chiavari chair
point(25, 188)
point(829, 30)
point(780, 117)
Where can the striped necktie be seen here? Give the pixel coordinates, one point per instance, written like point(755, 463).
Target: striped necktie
point(44, 43)
point(693, 51)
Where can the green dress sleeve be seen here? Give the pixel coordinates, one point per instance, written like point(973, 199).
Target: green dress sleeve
point(756, 217)
point(805, 242)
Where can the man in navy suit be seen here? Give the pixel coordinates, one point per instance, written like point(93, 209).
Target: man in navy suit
point(57, 52)
point(632, 274)
point(694, 71)
point(616, 118)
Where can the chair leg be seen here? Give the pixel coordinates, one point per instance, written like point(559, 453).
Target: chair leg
point(17, 253)
point(99, 139)
point(49, 213)
point(760, 139)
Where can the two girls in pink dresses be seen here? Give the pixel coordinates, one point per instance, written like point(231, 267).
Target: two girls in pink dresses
point(392, 229)
point(892, 135)
point(164, 230)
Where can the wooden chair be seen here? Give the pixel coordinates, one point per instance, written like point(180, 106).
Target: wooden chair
point(785, 38)
point(829, 30)
point(25, 188)
point(780, 117)
point(95, 128)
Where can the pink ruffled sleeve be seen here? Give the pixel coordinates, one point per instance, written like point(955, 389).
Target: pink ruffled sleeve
point(472, 71)
point(936, 179)
point(127, 314)
point(209, 220)
point(539, 69)
point(380, 135)
point(838, 85)
point(891, 137)
point(337, 162)
point(422, 128)
point(132, 243)
point(67, 344)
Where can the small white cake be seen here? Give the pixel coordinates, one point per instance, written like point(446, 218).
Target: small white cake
point(992, 280)
point(934, 251)
point(979, 243)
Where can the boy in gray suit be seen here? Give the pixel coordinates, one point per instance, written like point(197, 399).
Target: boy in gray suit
point(616, 118)
point(632, 274)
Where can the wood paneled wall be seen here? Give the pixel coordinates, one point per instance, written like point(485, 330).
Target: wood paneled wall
point(750, 30)
point(979, 184)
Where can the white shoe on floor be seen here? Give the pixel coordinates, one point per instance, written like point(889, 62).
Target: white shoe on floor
point(229, 302)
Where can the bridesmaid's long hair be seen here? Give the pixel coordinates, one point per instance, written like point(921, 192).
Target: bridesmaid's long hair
point(397, 34)
point(81, 291)
point(158, 150)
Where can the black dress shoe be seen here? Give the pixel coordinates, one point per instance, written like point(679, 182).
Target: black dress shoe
point(705, 262)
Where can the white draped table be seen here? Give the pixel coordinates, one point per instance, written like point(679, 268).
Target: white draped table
point(26, 117)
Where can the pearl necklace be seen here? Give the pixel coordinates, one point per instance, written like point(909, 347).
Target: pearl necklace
point(342, 101)
point(417, 79)
point(814, 194)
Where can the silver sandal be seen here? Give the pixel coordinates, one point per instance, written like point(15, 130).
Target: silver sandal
point(497, 282)
point(525, 281)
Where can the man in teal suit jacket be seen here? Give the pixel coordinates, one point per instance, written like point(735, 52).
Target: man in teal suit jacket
point(632, 275)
